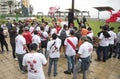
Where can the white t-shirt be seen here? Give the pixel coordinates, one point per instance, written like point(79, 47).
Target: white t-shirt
point(34, 63)
point(103, 41)
point(31, 29)
point(54, 50)
point(53, 30)
point(90, 35)
point(69, 49)
point(112, 38)
point(46, 28)
point(20, 42)
point(85, 49)
point(36, 39)
point(44, 35)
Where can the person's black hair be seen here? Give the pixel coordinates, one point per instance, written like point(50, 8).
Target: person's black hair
point(32, 23)
point(20, 32)
point(104, 28)
point(89, 28)
point(54, 35)
point(101, 27)
point(35, 32)
point(33, 46)
point(75, 28)
point(64, 26)
point(72, 32)
point(112, 28)
point(42, 28)
point(46, 23)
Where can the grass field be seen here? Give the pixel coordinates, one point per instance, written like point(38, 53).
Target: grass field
point(95, 24)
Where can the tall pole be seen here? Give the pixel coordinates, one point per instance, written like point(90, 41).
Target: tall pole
point(73, 11)
point(71, 15)
point(73, 7)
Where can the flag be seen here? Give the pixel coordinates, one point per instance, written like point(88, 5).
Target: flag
point(52, 10)
point(114, 17)
point(110, 11)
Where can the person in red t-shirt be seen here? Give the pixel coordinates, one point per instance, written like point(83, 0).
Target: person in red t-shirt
point(28, 37)
point(57, 27)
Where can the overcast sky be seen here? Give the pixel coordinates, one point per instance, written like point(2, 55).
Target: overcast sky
point(43, 6)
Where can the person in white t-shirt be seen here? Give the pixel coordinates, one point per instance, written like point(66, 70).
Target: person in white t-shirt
point(20, 49)
point(34, 63)
point(70, 44)
point(36, 39)
point(46, 26)
point(83, 55)
point(112, 39)
point(103, 44)
point(44, 40)
point(53, 48)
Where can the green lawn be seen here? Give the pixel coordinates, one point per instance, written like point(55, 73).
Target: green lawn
point(95, 24)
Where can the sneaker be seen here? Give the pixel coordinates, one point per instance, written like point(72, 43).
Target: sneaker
point(119, 57)
point(67, 72)
point(55, 75)
point(15, 59)
point(23, 72)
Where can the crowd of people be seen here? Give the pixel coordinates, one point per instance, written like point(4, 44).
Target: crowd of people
point(35, 44)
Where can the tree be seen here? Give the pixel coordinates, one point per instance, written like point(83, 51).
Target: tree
point(10, 3)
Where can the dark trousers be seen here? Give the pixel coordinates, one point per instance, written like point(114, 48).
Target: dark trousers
point(111, 49)
point(118, 50)
point(3, 42)
point(13, 49)
point(103, 50)
point(20, 60)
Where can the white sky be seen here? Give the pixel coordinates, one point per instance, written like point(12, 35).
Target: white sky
point(43, 6)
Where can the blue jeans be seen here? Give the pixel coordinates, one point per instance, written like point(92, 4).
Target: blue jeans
point(51, 61)
point(71, 62)
point(103, 50)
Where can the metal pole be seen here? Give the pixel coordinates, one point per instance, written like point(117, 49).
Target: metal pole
point(73, 11)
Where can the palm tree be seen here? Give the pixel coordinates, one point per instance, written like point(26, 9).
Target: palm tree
point(10, 3)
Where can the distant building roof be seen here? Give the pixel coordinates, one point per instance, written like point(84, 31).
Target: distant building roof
point(107, 8)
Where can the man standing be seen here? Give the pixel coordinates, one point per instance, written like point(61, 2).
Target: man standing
point(112, 40)
point(28, 37)
point(53, 48)
point(118, 45)
point(84, 21)
point(36, 39)
point(84, 53)
point(70, 44)
point(20, 49)
point(34, 62)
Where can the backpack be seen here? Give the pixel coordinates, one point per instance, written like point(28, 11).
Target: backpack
point(63, 35)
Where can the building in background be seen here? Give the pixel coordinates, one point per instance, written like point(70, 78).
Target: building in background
point(7, 7)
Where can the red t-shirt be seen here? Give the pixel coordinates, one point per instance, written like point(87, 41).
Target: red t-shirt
point(58, 28)
point(28, 37)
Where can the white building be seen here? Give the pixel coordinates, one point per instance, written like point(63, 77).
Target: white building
point(4, 8)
